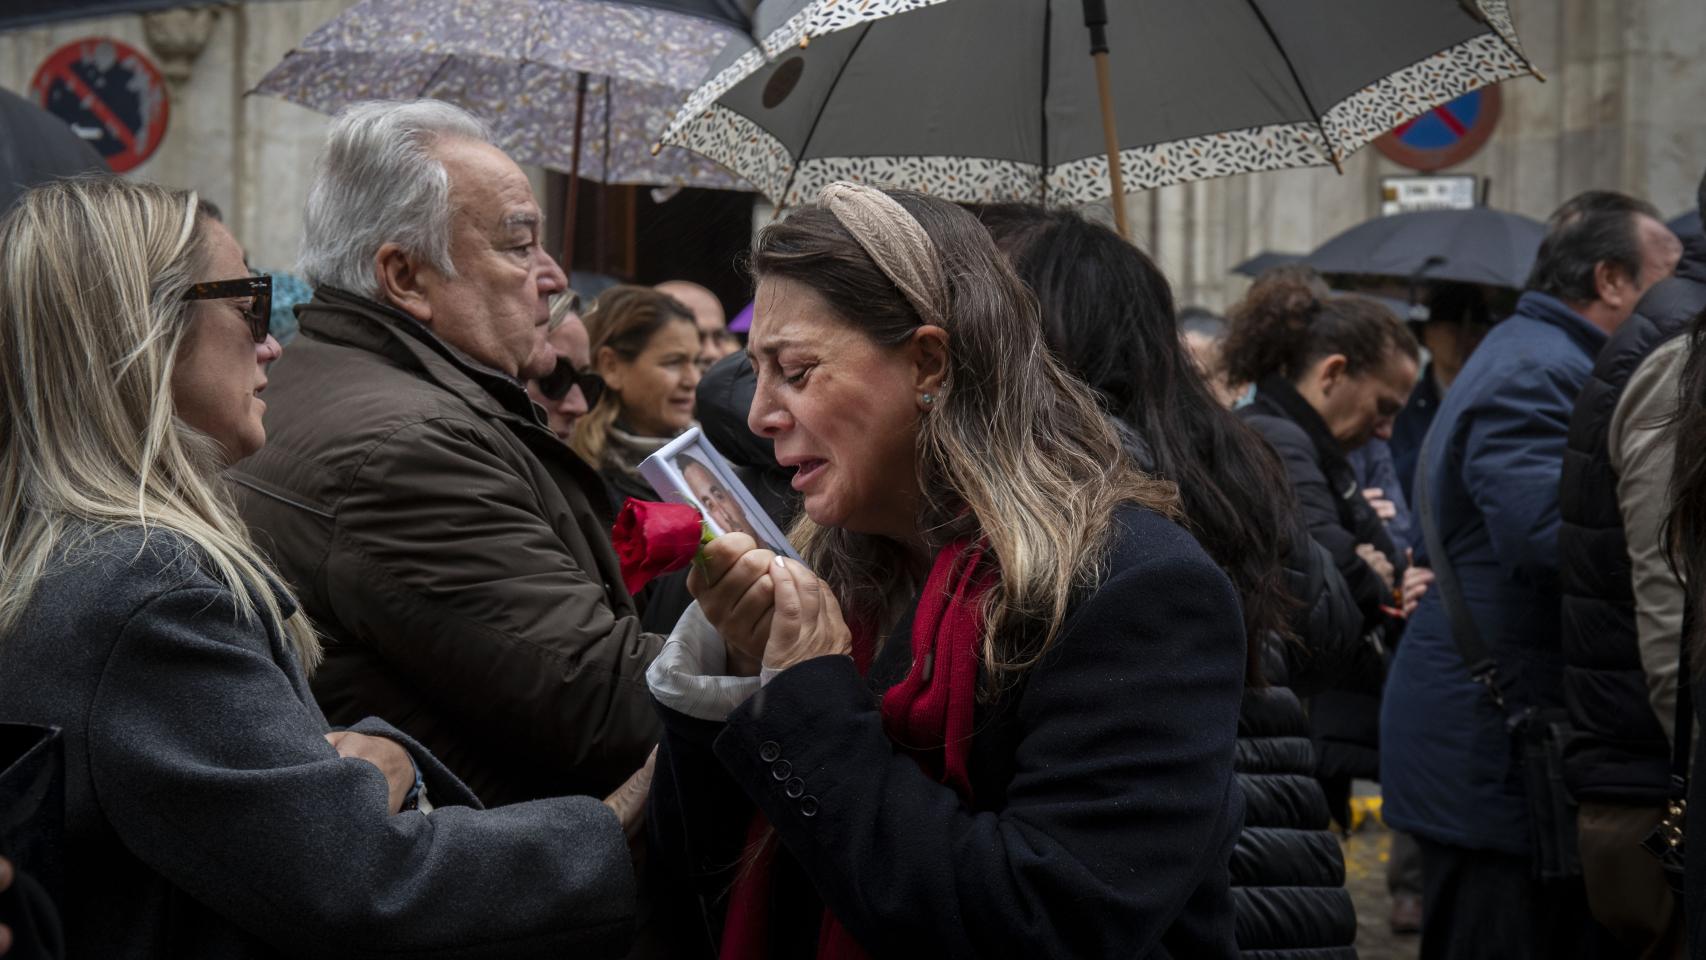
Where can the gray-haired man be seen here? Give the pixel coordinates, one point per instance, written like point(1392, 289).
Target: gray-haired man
point(451, 548)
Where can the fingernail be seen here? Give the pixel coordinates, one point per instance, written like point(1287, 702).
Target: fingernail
point(779, 563)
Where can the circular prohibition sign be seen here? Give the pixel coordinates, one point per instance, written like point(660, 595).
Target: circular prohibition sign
point(110, 94)
point(1448, 134)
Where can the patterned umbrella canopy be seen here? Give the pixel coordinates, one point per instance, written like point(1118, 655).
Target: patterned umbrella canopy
point(996, 99)
point(519, 64)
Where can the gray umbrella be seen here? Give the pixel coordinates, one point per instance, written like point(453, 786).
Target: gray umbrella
point(997, 99)
point(35, 146)
point(1479, 245)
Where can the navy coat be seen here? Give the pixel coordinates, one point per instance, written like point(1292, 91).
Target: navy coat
point(1105, 806)
point(1492, 464)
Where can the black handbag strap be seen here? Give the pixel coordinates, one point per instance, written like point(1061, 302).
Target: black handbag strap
point(1682, 736)
point(1483, 668)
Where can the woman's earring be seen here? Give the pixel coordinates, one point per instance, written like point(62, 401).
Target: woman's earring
point(927, 400)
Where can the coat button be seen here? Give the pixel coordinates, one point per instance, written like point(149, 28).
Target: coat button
point(769, 750)
point(794, 788)
point(808, 807)
point(780, 769)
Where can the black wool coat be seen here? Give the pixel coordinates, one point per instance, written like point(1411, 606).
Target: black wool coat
point(1104, 807)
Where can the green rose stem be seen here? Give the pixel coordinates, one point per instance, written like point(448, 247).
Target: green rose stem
point(705, 536)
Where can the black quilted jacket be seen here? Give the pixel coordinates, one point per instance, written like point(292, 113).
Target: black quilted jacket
point(1288, 873)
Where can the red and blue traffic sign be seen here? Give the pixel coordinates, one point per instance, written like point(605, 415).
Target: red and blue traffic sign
point(1448, 134)
point(110, 94)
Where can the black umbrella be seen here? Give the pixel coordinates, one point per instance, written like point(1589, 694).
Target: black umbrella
point(1263, 262)
point(1478, 245)
point(35, 146)
point(1686, 224)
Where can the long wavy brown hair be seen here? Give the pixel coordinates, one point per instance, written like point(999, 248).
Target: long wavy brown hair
point(1016, 450)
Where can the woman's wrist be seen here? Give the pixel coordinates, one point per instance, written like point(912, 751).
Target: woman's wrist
point(739, 664)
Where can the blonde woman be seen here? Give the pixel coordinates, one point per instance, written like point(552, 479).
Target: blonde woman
point(993, 713)
point(209, 810)
point(643, 346)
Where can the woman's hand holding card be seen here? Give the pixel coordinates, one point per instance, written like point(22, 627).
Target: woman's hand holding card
point(735, 591)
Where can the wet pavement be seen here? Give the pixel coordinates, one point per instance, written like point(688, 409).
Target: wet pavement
point(1366, 851)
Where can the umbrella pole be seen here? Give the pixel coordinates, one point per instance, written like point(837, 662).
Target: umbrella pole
point(574, 179)
point(1096, 19)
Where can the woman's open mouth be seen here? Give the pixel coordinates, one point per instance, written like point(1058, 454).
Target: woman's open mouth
point(807, 470)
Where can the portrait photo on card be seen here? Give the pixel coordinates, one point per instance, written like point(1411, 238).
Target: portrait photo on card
point(689, 470)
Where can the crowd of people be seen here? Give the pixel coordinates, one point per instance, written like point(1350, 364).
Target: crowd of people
point(1100, 606)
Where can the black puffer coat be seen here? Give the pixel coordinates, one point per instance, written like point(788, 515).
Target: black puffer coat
point(1288, 872)
point(1619, 753)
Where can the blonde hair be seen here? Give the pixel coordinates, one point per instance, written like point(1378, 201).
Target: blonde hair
point(624, 318)
point(1014, 451)
point(92, 317)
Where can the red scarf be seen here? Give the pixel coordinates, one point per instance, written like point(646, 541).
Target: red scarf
point(928, 715)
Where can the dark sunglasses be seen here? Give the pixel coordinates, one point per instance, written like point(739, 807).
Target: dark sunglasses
point(257, 289)
point(564, 377)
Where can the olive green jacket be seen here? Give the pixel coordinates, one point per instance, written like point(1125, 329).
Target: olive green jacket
point(454, 554)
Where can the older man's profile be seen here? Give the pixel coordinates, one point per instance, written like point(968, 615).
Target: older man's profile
point(714, 496)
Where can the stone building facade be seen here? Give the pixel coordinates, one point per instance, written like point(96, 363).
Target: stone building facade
point(1620, 108)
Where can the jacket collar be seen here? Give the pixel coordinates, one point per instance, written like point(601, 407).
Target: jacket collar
point(1276, 395)
point(1692, 266)
point(1548, 309)
point(356, 321)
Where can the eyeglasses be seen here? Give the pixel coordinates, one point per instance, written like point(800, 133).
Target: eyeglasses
point(257, 289)
point(556, 385)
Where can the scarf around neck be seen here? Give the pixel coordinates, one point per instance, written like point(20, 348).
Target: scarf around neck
point(928, 715)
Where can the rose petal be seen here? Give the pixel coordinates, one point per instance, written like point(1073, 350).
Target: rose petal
point(652, 539)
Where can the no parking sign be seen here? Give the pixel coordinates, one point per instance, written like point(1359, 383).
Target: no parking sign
point(110, 94)
point(1448, 134)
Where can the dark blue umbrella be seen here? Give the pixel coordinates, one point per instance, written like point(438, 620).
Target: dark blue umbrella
point(1478, 245)
point(35, 146)
point(1686, 224)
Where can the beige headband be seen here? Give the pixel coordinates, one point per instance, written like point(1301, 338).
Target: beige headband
point(896, 242)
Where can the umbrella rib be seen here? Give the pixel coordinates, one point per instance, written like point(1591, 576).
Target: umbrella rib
point(1332, 149)
point(811, 131)
point(1042, 109)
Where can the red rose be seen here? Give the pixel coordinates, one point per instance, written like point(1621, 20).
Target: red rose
point(653, 539)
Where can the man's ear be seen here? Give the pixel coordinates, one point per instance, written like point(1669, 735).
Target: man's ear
point(1330, 372)
point(929, 351)
point(1611, 284)
point(401, 282)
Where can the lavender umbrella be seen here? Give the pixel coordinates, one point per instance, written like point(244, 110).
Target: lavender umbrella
point(581, 86)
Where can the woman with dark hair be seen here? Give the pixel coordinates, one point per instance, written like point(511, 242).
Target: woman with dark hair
point(1108, 315)
point(1331, 373)
point(993, 712)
